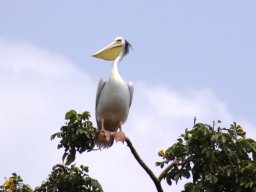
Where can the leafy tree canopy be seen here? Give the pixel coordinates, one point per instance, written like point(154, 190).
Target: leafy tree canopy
point(215, 158)
point(15, 184)
point(71, 179)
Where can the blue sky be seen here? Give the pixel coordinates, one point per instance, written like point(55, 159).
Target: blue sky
point(189, 44)
point(189, 58)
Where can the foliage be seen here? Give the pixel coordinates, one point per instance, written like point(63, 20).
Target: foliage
point(71, 179)
point(215, 157)
point(15, 184)
point(218, 159)
point(78, 135)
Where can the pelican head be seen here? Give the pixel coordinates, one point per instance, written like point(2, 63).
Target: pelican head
point(118, 48)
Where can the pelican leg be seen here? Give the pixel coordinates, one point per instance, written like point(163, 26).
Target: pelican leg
point(120, 136)
point(104, 135)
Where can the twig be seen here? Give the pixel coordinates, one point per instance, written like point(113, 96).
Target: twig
point(165, 171)
point(174, 163)
point(144, 166)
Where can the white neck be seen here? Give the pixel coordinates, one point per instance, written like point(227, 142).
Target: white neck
point(115, 71)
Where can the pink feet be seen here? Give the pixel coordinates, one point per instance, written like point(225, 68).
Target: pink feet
point(119, 136)
point(105, 135)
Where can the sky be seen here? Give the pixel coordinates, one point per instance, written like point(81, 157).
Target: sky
point(189, 58)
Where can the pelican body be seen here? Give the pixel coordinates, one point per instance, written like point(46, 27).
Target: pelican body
point(113, 97)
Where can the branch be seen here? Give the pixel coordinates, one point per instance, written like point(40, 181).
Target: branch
point(144, 166)
point(169, 167)
point(165, 171)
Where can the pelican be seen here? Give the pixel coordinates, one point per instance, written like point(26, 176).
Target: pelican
point(113, 97)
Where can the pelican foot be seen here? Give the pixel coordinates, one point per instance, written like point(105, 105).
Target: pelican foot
point(105, 135)
point(119, 136)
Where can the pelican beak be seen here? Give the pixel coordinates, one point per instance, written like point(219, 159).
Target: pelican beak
point(110, 52)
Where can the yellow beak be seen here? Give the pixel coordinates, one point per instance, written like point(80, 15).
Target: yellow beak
point(110, 52)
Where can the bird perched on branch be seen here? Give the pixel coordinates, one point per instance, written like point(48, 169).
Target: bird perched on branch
point(113, 97)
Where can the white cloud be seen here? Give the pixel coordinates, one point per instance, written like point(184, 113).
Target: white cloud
point(38, 87)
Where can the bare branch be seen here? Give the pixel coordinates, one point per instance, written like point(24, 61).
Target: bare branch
point(144, 166)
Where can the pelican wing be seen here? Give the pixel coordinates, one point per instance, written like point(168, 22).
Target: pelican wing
point(130, 87)
point(101, 85)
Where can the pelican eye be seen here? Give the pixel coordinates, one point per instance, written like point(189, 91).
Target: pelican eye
point(119, 40)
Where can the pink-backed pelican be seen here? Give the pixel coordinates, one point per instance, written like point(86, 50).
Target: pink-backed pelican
point(113, 97)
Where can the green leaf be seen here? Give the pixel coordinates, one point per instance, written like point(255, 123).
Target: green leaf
point(85, 115)
point(223, 139)
point(176, 178)
point(70, 114)
point(53, 136)
point(70, 159)
point(64, 156)
point(206, 131)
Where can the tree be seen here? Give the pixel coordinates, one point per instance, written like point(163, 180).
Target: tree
point(71, 179)
point(218, 159)
point(215, 157)
point(15, 183)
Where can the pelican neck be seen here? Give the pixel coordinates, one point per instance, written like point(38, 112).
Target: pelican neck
point(114, 70)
